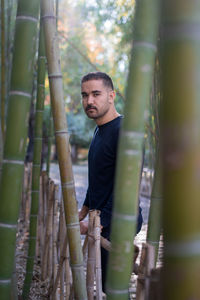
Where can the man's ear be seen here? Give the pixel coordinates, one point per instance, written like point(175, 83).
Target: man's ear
point(111, 97)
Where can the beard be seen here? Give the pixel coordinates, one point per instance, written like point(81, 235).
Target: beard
point(94, 113)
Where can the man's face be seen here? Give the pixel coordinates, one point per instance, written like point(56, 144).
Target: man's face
point(96, 98)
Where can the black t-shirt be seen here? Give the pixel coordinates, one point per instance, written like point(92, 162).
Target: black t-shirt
point(101, 166)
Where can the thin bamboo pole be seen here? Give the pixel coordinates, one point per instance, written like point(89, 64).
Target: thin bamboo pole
point(64, 157)
point(16, 136)
point(154, 221)
point(97, 235)
point(42, 211)
point(91, 256)
point(36, 163)
point(47, 244)
point(55, 234)
point(3, 69)
point(129, 159)
point(50, 141)
point(180, 132)
point(1, 151)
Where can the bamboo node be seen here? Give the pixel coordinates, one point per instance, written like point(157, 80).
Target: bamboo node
point(124, 217)
point(12, 161)
point(76, 266)
point(5, 281)
point(68, 185)
point(60, 132)
point(56, 75)
point(27, 18)
point(132, 152)
point(116, 292)
point(20, 93)
point(6, 225)
point(91, 259)
point(48, 17)
point(133, 134)
point(145, 44)
point(71, 225)
point(183, 249)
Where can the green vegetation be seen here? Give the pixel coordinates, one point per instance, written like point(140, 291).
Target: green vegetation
point(16, 136)
point(129, 158)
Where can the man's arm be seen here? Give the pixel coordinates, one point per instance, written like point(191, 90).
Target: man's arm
point(83, 212)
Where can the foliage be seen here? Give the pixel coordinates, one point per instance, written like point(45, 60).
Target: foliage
point(94, 36)
point(81, 129)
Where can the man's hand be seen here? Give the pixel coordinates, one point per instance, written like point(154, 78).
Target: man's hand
point(83, 212)
point(83, 227)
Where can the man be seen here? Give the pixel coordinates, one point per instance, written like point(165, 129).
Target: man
point(98, 97)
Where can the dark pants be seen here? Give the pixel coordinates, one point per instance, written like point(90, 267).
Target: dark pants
point(104, 258)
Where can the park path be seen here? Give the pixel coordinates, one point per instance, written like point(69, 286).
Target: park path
point(81, 183)
point(80, 178)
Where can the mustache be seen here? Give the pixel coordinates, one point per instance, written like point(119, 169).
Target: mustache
point(90, 106)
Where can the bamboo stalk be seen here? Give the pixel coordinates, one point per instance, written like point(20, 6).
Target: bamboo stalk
point(64, 157)
point(16, 136)
point(60, 266)
point(42, 211)
point(3, 69)
point(68, 276)
point(63, 251)
point(129, 156)
point(91, 256)
point(47, 244)
point(55, 233)
point(154, 221)
point(36, 163)
point(180, 134)
point(50, 239)
point(62, 282)
point(1, 151)
point(97, 235)
point(85, 247)
point(50, 141)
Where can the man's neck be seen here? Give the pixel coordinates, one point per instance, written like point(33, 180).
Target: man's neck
point(106, 119)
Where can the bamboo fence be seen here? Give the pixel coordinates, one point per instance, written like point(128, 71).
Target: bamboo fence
point(52, 245)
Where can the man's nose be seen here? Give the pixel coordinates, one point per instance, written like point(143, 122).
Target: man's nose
point(90, 99)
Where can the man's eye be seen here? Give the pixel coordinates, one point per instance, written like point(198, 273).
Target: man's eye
point(96, 94)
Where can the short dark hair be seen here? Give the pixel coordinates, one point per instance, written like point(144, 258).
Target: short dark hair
point(98, 76)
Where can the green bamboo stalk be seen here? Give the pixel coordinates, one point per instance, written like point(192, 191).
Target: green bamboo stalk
point(154, 221)
point(1, 151)
point(180, 134)
point(50, 127)
point(50, 141)
point(35, 193)
point(63, 149)
point(129, 159)
point(16, 136)
point(3, 68)
point(9, 41)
